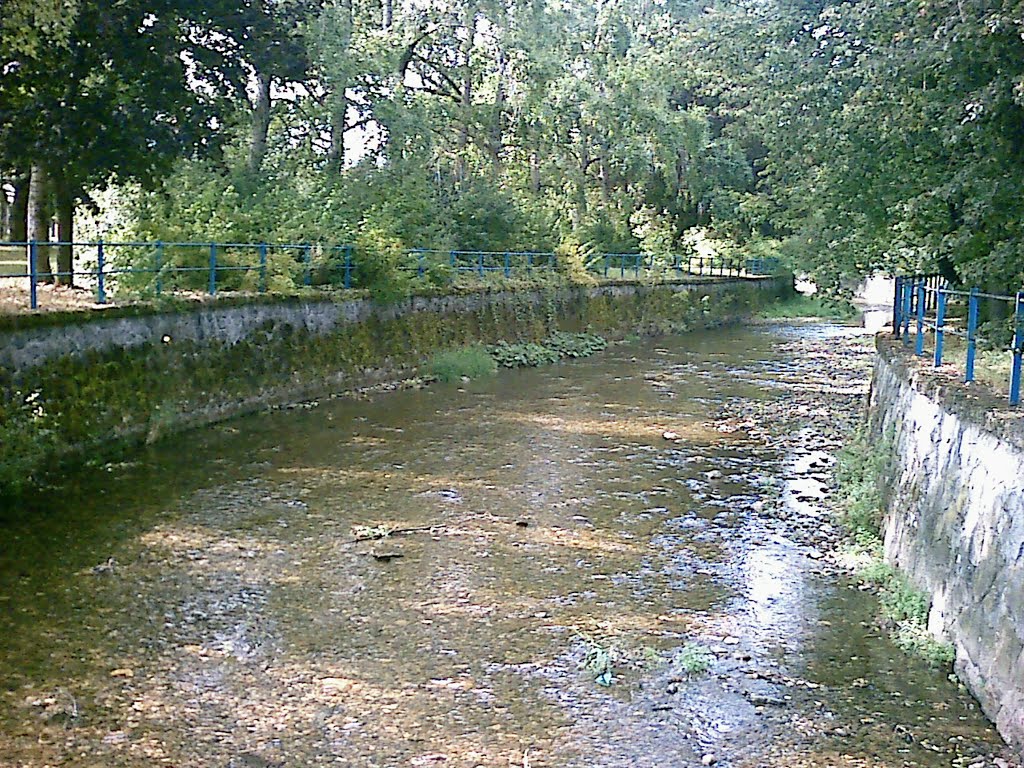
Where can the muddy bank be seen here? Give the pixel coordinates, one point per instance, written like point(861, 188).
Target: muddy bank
point(564, 563)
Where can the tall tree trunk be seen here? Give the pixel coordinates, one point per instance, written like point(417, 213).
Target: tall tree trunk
point(19, 210)
point(606, 182)
point(65, 231)
point(5, 215)
point(39, 221)
point(466, 100)
point(260, 123)
point(579, 212)
point(338, 93)
point(387, 13)
point(336, 152)
point(535, 173)
point(496, 142)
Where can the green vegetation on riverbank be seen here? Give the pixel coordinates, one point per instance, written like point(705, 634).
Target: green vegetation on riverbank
point(555, 347)
point(467, 362)
point(800, 305)
point(864, 471)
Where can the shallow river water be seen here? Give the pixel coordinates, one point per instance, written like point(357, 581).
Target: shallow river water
point(208, 603)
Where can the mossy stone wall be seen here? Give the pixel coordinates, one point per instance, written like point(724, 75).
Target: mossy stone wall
point(67, 389)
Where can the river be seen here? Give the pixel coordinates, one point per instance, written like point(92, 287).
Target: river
point(220, 599)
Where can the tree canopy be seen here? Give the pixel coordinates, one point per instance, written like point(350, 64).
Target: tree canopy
point(844, 137)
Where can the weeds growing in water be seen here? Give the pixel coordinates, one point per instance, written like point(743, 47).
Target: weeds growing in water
point(905, 609)
point(477, 361)
point(599, 661)
point(693, 659)
point(864, 473)
point(454, 364)
point(552, 349)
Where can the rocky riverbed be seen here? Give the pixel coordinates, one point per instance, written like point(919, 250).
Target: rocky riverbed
point(622, 561)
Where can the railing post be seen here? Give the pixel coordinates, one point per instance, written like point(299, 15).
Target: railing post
point(908, 300)
point(307, 265)
point(480, 263)
point(622, 266)
point(451, 259)
point(159, 266)
point(921, 303)
point(33, 274)
point(263, 268)
point(972, 334)
point(212, 287)
point(348, 266)
point(606, 265)
point(1018, 347)
point(508, 264)
point(529, 263)
point(419, 262)
point(897, 304)
point(940, 324)
point(101, 293)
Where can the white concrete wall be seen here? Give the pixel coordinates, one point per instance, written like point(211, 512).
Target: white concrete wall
point(955, 525)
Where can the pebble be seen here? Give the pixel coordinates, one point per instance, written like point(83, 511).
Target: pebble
point(708, 759)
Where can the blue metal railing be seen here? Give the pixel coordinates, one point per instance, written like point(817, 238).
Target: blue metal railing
point(210, 267)
point(924, 301)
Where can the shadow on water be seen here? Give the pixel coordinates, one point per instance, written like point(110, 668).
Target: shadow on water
point(207, 602)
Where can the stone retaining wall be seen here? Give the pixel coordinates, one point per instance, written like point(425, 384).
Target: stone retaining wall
point(955, 523)
point(94, 379)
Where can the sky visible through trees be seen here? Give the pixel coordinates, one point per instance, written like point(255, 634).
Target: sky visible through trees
point(843, 137)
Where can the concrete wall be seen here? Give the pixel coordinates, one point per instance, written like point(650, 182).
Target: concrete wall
point(21, 350)
point(72, 385)
point(955, 525)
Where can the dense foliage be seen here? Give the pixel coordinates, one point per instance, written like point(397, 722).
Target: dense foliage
point(845, 137)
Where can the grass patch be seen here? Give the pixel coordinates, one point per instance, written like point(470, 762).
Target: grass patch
point(905, 612)
point(456, 364)
point(693, 659)
point(801, 305)
point(863, 473)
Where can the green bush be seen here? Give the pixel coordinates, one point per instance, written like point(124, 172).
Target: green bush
point(801, 305)
point(379, 265)
point(554, 348)
point(26, 433)
point(454, 364)
point(440, 275)
point(864, 472)
point(571, 262)
point(905, 609)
